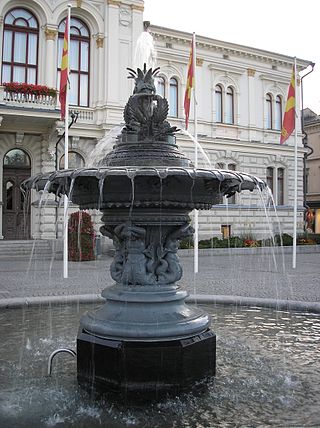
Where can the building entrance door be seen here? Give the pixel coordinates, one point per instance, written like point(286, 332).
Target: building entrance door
point(16, 211)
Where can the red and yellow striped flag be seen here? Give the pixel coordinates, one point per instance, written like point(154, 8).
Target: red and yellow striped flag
point(64, 72)
point(289, 118)
point(190, 82)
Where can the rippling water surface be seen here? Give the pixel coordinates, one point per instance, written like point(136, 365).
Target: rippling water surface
point(268, 374)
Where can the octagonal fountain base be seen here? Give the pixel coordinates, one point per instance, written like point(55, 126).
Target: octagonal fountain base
point(144, 370)
point(144, 342)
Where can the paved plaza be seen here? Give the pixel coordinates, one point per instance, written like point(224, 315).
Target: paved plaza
point(223, 274)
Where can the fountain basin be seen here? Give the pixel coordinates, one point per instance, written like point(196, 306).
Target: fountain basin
point(268, 373)
point(156, 186)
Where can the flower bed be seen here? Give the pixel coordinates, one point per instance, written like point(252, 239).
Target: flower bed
point(29, 89)
point(81, 237)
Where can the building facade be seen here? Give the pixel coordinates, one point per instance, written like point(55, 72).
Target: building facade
point(312, 129)
point(241, 95)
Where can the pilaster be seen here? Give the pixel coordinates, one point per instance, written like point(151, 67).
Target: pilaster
point(112, 54)
point(251, 104)
point(50, 37)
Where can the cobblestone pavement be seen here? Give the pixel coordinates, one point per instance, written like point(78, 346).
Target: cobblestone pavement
point(246, 275)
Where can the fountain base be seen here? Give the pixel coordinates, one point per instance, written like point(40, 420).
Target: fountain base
point(146, 370)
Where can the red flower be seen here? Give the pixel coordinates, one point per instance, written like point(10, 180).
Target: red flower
point(29, 88)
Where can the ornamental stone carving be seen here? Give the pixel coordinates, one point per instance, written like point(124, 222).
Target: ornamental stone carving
point(125, 17)
point(50, 33)
point(100, 41)
point(143, 258)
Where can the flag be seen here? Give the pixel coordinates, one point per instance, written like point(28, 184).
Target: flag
point(64, 72)
point(190, 82)
point(289, 119)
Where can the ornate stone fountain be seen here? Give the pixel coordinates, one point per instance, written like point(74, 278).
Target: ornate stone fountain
point(145, 340)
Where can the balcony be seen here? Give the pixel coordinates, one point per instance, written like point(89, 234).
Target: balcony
point(29, 112)
point(27, 100)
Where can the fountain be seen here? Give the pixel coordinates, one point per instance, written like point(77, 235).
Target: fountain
point(145, 341)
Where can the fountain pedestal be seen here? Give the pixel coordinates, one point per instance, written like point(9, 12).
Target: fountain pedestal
point(144, 340)
point(144, 369)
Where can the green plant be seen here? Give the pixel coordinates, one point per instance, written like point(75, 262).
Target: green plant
point(284, 239)
point(186, 243)
point(81, 237)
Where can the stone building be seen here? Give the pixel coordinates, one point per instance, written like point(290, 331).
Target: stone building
point(241, 94)
point(312, 129)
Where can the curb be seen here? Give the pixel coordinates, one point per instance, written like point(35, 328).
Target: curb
point(288, 305)
point(301, 249)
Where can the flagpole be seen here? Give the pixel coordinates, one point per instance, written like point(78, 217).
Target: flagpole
point(66, 162)
point(295, 206)
point(196, 213)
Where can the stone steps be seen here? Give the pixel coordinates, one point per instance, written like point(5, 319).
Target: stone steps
point(39, 248)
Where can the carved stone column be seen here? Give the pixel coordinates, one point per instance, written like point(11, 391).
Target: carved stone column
point(51, 65)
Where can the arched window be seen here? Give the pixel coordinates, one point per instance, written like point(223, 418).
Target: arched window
point(280, 186)
point(160, 86)
point(173, 104)
point(229, 106)
point(268, 123)
point(218, 96)
point(79, 60)
point(278, 115)
point(16, 158)
point(20, 47)
point(75, 161)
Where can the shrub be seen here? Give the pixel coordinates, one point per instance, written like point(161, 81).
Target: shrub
point(81, 237)
point(287, 240)
point(306, 239)
point(186, 243)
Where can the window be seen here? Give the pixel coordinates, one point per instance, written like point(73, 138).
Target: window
point(79, 61)
point(218, 96)
point(20, 47)
point(275, 180)
point(229, 106)
point(160, 86)
point(232, 199)
point(280, 189)
point(75, 160)
point(226, 231)
point(278, 118)
point(307, 180)
point(17, 158)
point(173, 104)
point(268, 123)
point(270, 178)
point(8, 196)
point(230, 167)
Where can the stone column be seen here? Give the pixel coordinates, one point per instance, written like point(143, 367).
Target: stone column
point(101, 74)
point(251, 103)
point(112, 54)
point(47, 212)
point(51, 62)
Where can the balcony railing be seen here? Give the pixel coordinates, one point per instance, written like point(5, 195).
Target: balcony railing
point(18, 99)
point(84, 114)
